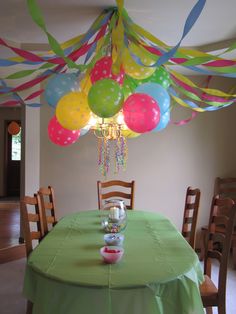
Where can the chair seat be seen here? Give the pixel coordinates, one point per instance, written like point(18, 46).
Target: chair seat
point(209, 292)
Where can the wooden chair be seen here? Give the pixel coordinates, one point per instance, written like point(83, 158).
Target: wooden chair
point(29, 217)
point(31, 233)
point(217, 247)
point(224, 187)
point(192, 200)
point(47, 198)
point(117, 193)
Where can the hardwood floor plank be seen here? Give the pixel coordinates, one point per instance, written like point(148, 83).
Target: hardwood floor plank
point(10, 248)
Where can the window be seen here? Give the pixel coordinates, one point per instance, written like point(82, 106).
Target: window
point(16, 147)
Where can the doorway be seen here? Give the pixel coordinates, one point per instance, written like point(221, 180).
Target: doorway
point(12, 161)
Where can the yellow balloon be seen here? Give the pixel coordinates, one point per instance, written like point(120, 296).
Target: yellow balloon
point(132, 68)
point(85, 84)
point(72, 111)
point(130, 134)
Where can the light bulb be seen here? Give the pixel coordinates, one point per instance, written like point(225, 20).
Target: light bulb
point(120, 118)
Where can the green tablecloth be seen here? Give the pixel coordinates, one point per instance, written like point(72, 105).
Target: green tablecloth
point(159, 273)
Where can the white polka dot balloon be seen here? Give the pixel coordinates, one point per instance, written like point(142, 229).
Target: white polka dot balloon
point(141, 113)
point(61, 136)
point(103, 69)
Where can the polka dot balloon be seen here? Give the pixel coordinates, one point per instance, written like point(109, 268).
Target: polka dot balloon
point(58, 86)
point(160, 76)
point(105, 98)
point(61, 136)
point(157, 92)
point(129, 86)
point(141, 113)
point(103, 69)
point(72, 111)
point(132, 68)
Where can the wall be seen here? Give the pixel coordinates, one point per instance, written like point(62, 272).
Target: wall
point(32, 150)
point(5, 114)
point(162, 164)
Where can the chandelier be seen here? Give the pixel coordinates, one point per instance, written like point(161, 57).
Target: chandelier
point(117, 80)
point(112, 143)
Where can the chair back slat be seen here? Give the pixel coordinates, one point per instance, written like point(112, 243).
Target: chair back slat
point(36, 235)
point(33, 217)
point(191, 207)
point(116, 194)
point(116, 187)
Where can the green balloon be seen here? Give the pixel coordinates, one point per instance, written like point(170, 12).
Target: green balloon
point(105, 98)
point(160, 76)
point(129, 86)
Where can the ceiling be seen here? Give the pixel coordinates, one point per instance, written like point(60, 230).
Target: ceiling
point(164, 18)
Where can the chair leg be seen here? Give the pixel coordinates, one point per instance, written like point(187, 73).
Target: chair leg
point(29, 308)
point(234, 252)
point(209, 310)
point(221, 308)
point(202, 244)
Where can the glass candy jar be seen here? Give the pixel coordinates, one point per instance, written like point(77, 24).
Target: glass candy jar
point(116, 219)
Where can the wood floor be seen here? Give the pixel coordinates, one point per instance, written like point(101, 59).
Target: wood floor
point(10, 249)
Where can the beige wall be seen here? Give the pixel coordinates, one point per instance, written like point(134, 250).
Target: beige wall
point(5, 114)
point(32, 150)
point(162, 164)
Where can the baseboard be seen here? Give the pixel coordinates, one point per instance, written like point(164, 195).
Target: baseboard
point(12, 253)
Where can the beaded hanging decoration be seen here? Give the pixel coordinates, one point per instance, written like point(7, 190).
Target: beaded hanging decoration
point(104, 154)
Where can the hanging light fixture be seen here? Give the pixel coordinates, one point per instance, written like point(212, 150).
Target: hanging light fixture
point(112, 144)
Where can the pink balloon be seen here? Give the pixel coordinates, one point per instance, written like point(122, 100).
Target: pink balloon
point(61, 136)
point(141, 113)
point(102, 69)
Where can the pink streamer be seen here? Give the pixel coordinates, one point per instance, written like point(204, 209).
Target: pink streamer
point(203, 96)
point(183, 122)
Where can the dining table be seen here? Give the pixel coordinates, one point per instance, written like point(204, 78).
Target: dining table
point(159, 273)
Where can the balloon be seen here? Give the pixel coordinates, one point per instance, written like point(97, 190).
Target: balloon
point(103, 69)
point(157, 92)
point(164, 120)
point(130, 134)
point(129, 86)
point(160, 76)
point(58, 86)
point(13, 128)
point(132, 68)
point(72, 111)
point(141, 113)
point(105, 98)
point(61, 136)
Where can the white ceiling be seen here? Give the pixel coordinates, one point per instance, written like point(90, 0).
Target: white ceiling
point(164, 18)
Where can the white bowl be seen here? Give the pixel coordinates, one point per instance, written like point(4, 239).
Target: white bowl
point(115, 239)
point(111, 254)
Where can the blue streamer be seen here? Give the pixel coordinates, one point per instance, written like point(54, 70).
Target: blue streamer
point(90, 52)
point(191, 19)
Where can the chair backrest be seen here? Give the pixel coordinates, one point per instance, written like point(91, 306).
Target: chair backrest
point(191, 207)
point(106, 191)
point(32, 220)
point(218, 243)
point(225, 187)
point(47, 198)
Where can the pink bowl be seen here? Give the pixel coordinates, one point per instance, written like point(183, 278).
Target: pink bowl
point(111, 254)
